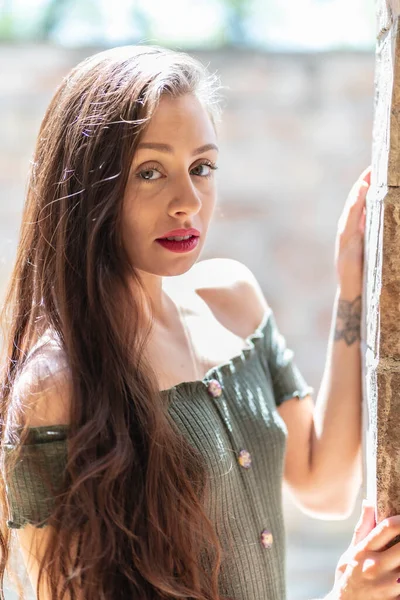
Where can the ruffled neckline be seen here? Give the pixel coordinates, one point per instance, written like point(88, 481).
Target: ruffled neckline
point(185, 388)
point(225, 368)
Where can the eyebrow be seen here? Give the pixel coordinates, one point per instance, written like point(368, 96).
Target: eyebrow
point(168, 149)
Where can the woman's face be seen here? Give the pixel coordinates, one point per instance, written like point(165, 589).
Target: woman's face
point(171, 186)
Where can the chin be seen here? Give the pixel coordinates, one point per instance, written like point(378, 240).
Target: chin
point(174, 272)
point(181, 267)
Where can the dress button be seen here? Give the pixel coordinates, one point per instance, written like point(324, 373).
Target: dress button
point(214, 388)
point(266, 538)
point(244, 459)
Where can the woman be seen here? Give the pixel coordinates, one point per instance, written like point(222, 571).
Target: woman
point(166, 379)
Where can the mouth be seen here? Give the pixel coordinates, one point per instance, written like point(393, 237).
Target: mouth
point(177, 238)
point(179, 243)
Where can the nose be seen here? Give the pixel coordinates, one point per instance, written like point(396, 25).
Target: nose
point(185, 199)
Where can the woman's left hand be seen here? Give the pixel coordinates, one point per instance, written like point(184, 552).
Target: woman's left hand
point(349, 247)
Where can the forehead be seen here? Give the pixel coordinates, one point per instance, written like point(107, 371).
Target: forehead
point(183, 119)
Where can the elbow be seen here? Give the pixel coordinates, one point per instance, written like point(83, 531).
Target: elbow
point(333, 503)
point(329, 509)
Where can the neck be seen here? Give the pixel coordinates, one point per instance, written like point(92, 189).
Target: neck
point(158, 306)
point(165, 299)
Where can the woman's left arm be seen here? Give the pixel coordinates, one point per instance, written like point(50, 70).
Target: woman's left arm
point(323, 459)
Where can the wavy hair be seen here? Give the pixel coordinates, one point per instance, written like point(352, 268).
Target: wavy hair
point(70, 278)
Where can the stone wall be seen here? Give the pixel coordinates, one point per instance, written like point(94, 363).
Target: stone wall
point(295, 135)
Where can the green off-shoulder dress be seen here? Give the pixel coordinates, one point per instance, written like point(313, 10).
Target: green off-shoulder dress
point(231, 418)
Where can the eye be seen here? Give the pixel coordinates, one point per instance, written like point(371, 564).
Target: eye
point(204, 169)
point(149, 174)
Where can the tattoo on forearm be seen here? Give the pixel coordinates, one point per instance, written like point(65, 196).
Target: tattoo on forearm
point(348, 321)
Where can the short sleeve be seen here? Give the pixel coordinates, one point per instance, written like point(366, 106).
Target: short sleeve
point(287, 381)
point(37, 476)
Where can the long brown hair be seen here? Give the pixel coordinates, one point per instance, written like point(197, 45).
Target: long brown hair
point(136, 488)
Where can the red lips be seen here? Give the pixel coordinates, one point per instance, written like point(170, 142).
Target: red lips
point(181, 232)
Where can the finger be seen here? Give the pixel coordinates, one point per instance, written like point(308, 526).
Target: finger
point(365, 524)
point(366, 175)
point(361, 196)
point(391, 558)
point(363, 222)
point(383, 533)
point(357, 193)
point(360, 192)
point(360, 186)
point(353, 212)
point(389, 586)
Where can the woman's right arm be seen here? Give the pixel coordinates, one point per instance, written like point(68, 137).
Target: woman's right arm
point(32, 543)
point(46, 400)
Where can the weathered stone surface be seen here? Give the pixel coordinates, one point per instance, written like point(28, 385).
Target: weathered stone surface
point(391, 236)
point(390, 321)
point(388, 441)
point(370, 386)
point(390, 293)
point(382, 281)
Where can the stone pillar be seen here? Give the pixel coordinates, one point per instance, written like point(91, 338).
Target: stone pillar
point(381, 335)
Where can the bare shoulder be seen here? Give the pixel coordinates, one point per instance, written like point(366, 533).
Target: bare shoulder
point(41, 394)
point(42, 390)
point(232, 292)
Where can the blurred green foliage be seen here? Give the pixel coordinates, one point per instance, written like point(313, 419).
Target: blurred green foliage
point(202, 23)
point(234, 27)
point(52, 13)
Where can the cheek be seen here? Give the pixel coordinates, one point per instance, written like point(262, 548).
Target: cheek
point(210, 199)
point(135, 210)
point(130, 226)
point(129, 216)
point(139, 219)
